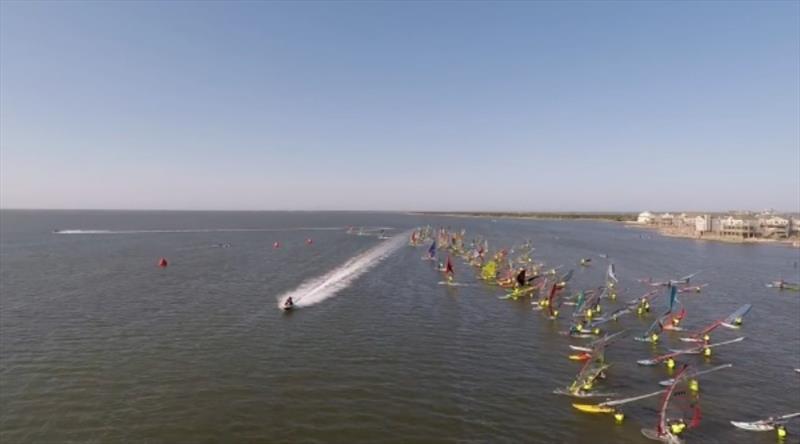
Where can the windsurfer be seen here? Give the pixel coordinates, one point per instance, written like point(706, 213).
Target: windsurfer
point(448, 270)
point(577, 328)
point(521, 281)
point(676, 426)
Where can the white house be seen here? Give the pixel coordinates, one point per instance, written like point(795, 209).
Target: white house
point(773, 226)
point(702, 224)
point(645, 217)
point(740, 226)
point(685, 220)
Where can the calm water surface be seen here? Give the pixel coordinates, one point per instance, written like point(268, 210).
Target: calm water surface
point(97, 344)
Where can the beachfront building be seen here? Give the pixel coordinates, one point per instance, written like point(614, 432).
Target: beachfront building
point(773, 226)
point(794, 226)
point(743, 227)
point(645, 217)
point(686, 220)
point(738, 225)
point(702, 224)
point(666, 219)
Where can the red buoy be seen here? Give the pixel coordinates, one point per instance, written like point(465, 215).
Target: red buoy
point(163, 262)
point(276, 244)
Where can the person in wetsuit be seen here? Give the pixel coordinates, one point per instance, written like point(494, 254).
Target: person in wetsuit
point(521, 281)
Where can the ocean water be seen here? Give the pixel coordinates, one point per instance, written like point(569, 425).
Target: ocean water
point(98, 344)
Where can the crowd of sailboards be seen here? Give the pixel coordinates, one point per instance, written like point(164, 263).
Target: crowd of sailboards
point(589, 318)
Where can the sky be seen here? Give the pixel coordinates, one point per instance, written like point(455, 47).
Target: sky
point(538, 106)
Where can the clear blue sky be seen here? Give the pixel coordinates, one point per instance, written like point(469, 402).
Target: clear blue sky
point(400, 106)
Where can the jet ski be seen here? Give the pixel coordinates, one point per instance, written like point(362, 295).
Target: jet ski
point(288, 304)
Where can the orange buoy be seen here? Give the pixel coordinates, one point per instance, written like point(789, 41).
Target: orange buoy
point(276, 244)
point(163, 262)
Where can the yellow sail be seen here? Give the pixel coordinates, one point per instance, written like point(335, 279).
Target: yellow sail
point(489, 271)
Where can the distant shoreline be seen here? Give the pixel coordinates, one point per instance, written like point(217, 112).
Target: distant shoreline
point(629, 219)
point(601, 217)
point(677, 233)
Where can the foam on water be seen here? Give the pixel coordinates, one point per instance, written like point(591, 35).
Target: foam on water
point(316, 290)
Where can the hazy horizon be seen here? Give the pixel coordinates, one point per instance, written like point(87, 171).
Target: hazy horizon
point(317, 106)
point(429, 211)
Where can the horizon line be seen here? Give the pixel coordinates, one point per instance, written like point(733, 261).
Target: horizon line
point(432, 212)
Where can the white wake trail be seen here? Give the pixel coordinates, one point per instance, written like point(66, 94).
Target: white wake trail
point(316, 290)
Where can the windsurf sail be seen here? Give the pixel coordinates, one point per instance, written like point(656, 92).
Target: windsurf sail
point(693, 350)
point(607, 339)
point(679, 410)
point(432, 250)
point(655, 328)
point(684, 280)
point(735, 319)
point(593, 347)
point(695, 374)
point(579, 301)
point(552, 312)
point(590, 371)
point(672, 319)
point(489, 271)
point(611, 274)
point(565, 278)
point(765, 424)
point(668, 283)
point(609, 406)
point(699, 335)
point(614, 315)
point(673, 297)
point(588, 300)
point(647, 297)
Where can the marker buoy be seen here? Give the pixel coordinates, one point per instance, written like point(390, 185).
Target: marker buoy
point(276, 244)
point(309, 241)
point(163, 262)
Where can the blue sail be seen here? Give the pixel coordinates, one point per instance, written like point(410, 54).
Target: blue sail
point(656, 327)
point(673, 296)
point(432, 249)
